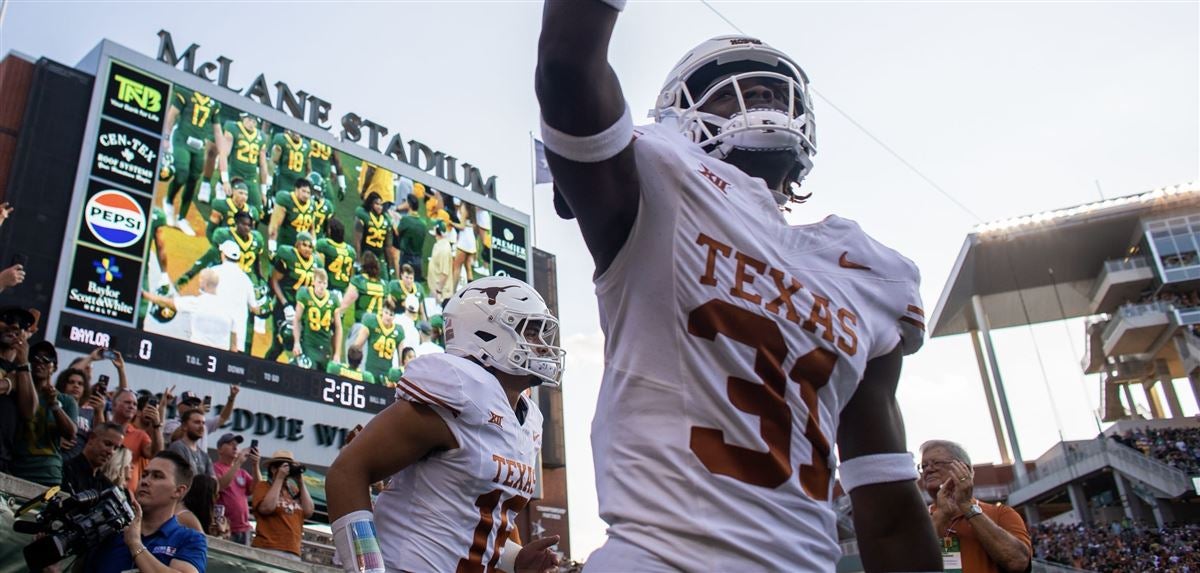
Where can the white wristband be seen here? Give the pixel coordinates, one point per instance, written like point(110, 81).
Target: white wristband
point(877, 468)
point(618, 5)
point(590, 148)
point(508, 557)
point(357, 543)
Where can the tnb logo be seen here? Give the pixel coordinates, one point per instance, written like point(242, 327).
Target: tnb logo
point(143, 95)
point(115, 218)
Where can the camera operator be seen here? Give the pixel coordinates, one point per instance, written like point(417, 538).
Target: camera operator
point(18, 398)
point(85, 471)
point(280, 511)
point(155, 541)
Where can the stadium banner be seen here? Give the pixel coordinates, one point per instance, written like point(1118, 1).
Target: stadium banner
point(156, 199)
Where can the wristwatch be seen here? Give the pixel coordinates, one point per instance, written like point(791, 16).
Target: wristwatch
point(21, 367)
point(973, 511)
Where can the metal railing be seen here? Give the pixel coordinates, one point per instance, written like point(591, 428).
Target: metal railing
point(1116, 266)
point(1131, 310)
point(1144, 467)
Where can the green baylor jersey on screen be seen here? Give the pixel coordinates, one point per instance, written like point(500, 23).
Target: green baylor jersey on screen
point(297, 217)
point(320, 160)
point(246, 149)
point(297, 272)
point(382, 345)
point(316, 324)
point(370, 295)
point(345, 371)
point(197, 114)
point(339, 262)
point(322, 213)
point(227, 209)
point(376, 229)
point(293, 160)
point(252, 249)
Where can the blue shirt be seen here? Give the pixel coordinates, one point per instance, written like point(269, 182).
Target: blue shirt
point(171, 541)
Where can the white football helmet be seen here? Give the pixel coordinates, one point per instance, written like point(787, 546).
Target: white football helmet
point(726, 62)
point(504, 323)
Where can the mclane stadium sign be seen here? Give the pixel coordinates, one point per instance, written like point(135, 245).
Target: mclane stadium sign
point(315, 111)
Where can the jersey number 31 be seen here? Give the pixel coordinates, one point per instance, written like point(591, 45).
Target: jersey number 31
point(767, 400)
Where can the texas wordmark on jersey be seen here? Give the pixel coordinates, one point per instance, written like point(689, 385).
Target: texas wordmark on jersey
point(454, 510)
point(733, 341)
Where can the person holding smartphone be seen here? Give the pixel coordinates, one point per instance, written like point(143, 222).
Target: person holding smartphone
point(237, 475)
point(173, 430)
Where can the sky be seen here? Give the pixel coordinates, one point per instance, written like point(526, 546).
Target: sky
point(1010, 108)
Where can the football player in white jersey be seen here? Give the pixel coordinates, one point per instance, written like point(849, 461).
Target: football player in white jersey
point(460, 445)
point(738, 349)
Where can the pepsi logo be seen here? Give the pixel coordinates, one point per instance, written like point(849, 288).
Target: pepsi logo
point(115, 218)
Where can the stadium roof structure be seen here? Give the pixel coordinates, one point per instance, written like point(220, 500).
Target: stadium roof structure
point(1042, 267)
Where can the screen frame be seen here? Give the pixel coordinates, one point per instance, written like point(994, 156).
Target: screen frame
point(99, 62)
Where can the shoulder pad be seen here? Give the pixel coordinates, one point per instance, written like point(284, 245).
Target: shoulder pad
point(446, 384)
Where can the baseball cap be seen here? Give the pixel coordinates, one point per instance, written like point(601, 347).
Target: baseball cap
point(424, 328)
point(436, 321)
point(44, 348)
point(229, 437)
point(18, 316)
point(231, 250)
point(189, 397)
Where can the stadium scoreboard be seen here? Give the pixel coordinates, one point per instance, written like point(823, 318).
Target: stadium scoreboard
point(113, 249)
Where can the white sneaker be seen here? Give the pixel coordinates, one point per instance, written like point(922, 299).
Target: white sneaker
point(183, 225)
point(205, 192)
point(169, 211)
point(220, 191)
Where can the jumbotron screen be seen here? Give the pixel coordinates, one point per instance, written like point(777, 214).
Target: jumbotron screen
point(164, 267)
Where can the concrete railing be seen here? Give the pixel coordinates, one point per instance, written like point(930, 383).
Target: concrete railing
point(223, 556)
point(1085, 457)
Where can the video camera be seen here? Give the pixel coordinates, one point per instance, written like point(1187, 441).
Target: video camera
point(72, 524)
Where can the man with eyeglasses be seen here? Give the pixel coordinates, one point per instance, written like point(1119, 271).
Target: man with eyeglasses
point(18, 398)
point(976, 538)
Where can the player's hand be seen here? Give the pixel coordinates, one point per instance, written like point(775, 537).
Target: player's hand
point(296, 349)
point(538, 557)
point(289, 313)
point(12, 276)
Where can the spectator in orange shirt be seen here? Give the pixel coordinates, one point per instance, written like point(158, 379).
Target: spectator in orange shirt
point(279, 509)
point(976, 538)
point(143, 445)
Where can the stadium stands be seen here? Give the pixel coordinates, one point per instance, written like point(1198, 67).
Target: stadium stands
point(1119, 547)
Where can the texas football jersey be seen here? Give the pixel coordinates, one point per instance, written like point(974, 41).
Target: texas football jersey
point(733, 342)
point(453, 510)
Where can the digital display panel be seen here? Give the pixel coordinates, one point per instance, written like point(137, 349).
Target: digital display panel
point(212, 243)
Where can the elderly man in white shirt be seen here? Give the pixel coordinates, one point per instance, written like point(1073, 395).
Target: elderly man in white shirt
point(211, 320)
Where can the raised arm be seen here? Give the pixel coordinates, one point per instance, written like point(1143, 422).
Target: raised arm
point(586, 130)
point(892, 523)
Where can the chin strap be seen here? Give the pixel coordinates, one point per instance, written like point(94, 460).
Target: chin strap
point(357, 543)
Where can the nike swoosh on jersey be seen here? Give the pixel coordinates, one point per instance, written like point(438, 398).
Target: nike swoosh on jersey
point(846, 263)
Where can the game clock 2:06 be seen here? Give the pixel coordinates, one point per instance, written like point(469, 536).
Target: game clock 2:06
point(344, 393)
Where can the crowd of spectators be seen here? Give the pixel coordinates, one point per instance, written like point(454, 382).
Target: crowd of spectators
point(59, 428)
point(1176, 447)
point(1119, 547)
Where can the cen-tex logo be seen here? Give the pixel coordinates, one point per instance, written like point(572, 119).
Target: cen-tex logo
point(114, 218)
point(142, 95)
